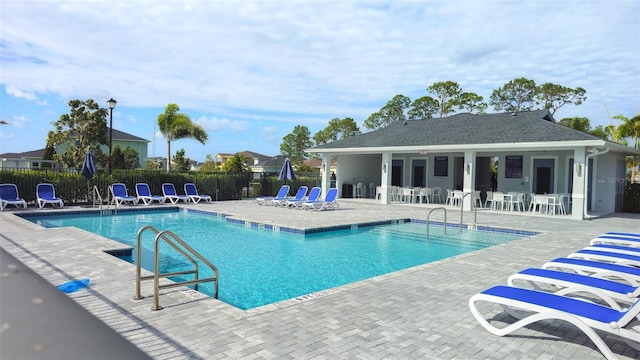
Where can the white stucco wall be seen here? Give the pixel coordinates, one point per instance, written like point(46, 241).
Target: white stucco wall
point(604, 184)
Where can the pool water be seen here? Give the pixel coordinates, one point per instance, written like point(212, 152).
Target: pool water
point(259, 267)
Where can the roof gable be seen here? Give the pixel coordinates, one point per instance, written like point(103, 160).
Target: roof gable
point(123, 136)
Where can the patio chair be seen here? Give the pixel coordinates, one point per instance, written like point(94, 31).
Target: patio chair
point(488, 199)
point(192, 192)
point(517, 203)
point(144, 193)
point(372, 190)
point(449, 198)
point(120, 196)
point(46, 194)
point(477, 198)
point(497, 201)
point(169, 192)
point(300, 194)
point(456, 198)
point(424, 196)
point(282, 194)
point(9, 196)
point(437, 194)
point(586, 316)
point(329, 202)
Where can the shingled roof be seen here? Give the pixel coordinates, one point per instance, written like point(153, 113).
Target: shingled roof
point(518, 127)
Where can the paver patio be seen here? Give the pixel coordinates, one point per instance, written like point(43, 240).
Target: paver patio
point(418, 313)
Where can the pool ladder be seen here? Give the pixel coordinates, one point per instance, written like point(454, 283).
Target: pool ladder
point(445, 219)
point(185, 250)
point(100, 201)
point(475, 216)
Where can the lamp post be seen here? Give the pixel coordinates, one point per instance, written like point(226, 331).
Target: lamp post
point(112, 104)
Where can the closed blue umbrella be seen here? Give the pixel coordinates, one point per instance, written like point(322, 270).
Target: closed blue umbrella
point(88, 166)
point(287, 171)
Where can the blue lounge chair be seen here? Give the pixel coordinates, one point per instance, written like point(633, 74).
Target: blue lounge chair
point(46, 194)
point(9, 196)
point(586, 316)
point(624, 234)
point(617, 240)
point(607, 256)
point(300, 194)
point(329, 202)
point(629, 274)
point(192, 192)
point(120, 196)
point(144, 193)
point(169, 192)
point(282, 194)
point(564, 283)
point(631, 250)
point(314, 195)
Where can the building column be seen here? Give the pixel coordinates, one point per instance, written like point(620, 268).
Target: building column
point(579, 184)
point(385, 183)
point(469, 179)
point(326, 173)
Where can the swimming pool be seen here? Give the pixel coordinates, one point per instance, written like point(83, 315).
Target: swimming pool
point(259, 266)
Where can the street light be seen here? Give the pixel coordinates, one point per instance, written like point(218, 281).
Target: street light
point(111, 103)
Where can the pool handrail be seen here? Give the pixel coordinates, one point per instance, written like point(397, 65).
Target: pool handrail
point(445, 219)
point(475, 211)
point(169, 237)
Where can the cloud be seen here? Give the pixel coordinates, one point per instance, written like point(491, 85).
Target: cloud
point(215, 124)
point(20, 94)
point(259, 63)
point(20, 121)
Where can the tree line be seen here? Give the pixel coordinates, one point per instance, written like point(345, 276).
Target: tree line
point(447, 97)
point(85, 127)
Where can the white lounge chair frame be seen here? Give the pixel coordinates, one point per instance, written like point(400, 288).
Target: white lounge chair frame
point(618, 322)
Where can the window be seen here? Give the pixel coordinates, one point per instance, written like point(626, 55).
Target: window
point(440, 166)
point(513, 167)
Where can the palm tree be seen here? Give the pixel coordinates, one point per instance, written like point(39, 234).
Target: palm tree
point(631, 128)
point(174, 126)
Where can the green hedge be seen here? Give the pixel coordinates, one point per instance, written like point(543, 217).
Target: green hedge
point(74, 189)
point(632, 198)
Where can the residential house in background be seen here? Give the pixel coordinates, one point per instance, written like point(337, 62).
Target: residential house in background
point(28, 160)
point(33, 159)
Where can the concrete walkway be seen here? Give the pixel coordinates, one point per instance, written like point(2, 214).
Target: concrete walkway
point(418, 313)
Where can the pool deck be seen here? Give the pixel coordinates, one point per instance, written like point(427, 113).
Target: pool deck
point(418, 313)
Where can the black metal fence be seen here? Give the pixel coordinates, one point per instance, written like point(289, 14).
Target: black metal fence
point(74, 189)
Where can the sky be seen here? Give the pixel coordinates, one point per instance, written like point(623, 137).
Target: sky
point(250, 71)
